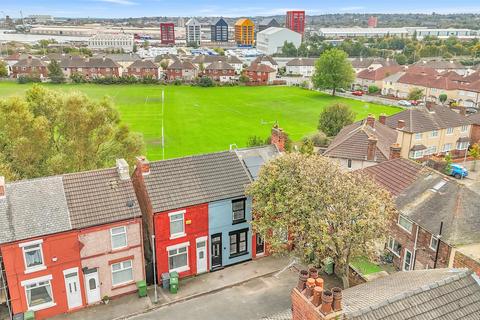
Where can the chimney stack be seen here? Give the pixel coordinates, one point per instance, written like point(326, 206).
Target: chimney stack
point(395, 150)
point(278, 137)
point(327, 299)
point(123, 169)
point(382, 119)
point(144, 165)
point(371, 121)
point(337, 299)
point(401, 124)
point(2, 187)
point(371, 149)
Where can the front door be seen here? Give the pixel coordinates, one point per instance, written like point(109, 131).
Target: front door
point(92, 286)
point(201, 255)
point(72, 284)
point(260, 247)
point(407, 260)
point(216, 251)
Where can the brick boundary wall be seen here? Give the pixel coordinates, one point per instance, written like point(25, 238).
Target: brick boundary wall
point(463, 261)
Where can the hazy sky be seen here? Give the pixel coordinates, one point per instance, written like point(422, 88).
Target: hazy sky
point(138, 8)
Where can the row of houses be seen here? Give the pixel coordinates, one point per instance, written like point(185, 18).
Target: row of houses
point(69, 241)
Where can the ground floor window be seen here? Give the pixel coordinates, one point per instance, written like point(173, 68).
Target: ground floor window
point(238, 242)
point(39, 293)
point(394, 246)
point(178, 258)
point(122, 272)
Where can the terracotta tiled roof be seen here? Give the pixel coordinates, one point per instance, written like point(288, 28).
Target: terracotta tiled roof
point(429, 81)
point(421, 70)
point(258, 67)
point(378, 74)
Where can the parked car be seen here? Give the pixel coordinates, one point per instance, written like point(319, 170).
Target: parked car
point(471, 110)
point(357, 93)
point(458, 171)
point(404, 103)
point(414, 102)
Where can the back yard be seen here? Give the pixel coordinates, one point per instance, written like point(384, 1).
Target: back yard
point(200, 120)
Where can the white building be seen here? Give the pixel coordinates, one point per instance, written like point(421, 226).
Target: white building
point(446, 33)
point(362, 32)
point(104, 41)
point(193, 31)
point(301, 66)
point(271, 40)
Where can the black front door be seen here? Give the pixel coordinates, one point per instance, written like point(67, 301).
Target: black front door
point(260, 247)
point(216, 250)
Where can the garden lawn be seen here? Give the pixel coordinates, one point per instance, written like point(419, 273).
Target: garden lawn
point(365, 266)
point(200, 120)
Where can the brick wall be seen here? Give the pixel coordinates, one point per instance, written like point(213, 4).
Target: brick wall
point(304, 309)
point(475, 133)
point(462, 261)
point(143, 72)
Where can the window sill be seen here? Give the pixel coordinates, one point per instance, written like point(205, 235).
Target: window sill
point(406, 230)
point(239, 221)
point(43, 306)
point(35, 269)
point(122, 285)
point(178, 235)
point(238, 254)
point(394, 253)
point(181, 269)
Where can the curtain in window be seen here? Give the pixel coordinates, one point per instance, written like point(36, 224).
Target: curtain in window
point(178, 261)
point(33, 258)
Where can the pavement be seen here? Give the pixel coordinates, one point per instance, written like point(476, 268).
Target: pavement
point(198, 287)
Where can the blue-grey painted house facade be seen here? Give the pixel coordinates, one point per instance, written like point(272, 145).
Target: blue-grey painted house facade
point(219, 31)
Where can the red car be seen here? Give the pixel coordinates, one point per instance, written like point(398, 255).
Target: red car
point(414, 102)
point(357, 93)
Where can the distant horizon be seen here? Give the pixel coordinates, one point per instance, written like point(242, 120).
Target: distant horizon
point(118, 9)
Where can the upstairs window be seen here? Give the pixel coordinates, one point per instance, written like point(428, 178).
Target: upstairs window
point(406, 224)
point(33, 257)
point(433, 243)
point(449, 130)
point(177, 224)
point(238, 208)
point(418, 136)
point(118, 237)
point(464, 129)
point(434, 133)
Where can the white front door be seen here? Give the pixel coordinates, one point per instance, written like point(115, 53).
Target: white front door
point(201, 255)
point(92, 287)
point(407, 260)
point(72, 284)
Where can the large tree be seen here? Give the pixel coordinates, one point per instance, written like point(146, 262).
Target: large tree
point(3, 69)
point(333, 71)
point(48, 132)
point(334, 117)
point(55, 72)
point(327, 211)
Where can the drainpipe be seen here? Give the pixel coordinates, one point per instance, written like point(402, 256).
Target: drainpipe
point(154, 269)
point(438, 245)
point(415, 248)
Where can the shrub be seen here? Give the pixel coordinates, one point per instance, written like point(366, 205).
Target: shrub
point(206, 82)
point(320, 139)
point(78, 78)
point(373, 89)
point(256, 141)
point(28, 79)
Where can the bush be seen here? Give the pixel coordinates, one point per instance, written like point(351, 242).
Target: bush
point(256, 141)
point(334, 117)
point(177, 82)
point(206, 82)
point(320, 139)
point(373, 89)
point(78, 78)
point(28, 79)
point(243, 78)
point(415, 94)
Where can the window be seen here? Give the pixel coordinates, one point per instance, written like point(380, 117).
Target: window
point(406, 224)
point(431, 150)
point(418, 136)
point(394, 246)
point(462, 145)
point(449, 130)
point(447, 147)
point(177, 226)
point(119, 237)
point(238, 207)
point(178, 258)
point(349, 163)
point(238, 243)
point(416, 154)
point(434, 133)
point(464, 128)
point(433, 243)
point(39, 295)
point(33, 256)
point(122, 272)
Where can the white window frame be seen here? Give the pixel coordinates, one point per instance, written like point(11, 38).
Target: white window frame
point(418, 136)
point(398, 223)
point(403, 261)
point(26, 283)
point(464, 128)
point(449, 131)
point(397, 254)
point(118, 234)
point(33, 243)
point(178, 234)
point(462, 145)
point(431, 242)
point(122, 269)
point(417, 154)
point(449, 147)
point(434, 134)
point(185, 245)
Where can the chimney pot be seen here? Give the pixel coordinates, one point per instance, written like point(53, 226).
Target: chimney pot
point(2, 187)
point(123, 169)
point(302, 280)
point(371, 120)
point(327, 299)
point(319, 282)
point(317, 296)
point(144, 165)
point(395, 150)
point(313, 273)
point(382, 119)
point(371, 149)
point(337, 299)
point(309, 288)
point(401, 124)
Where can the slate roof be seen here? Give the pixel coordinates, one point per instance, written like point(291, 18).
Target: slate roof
point(265, 58)
point(299, 62)
point(234, 60)
point(269, 22)
point(352, 141)
point(33, 208)
point(367, 62)
point(283, 315)
point(98, 197)
point(182, 182)
point(73, 62)
point(422, 294)
point(101, 63)
point(143, 64)
point(422, 120)
point(254, 158)
point(440, 64)
point(203, 58)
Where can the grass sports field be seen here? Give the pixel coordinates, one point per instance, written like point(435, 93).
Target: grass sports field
point(199, 120)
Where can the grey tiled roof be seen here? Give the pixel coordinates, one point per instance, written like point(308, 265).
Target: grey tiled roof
point(30, 62)
point(143, 64)
point(264, 59)
point(299, 62)
point(283, 315)
point(33, 208)
point(219, 65)
point(423, 294)
point(182, 182)
point(99, 197)
point(254, 158)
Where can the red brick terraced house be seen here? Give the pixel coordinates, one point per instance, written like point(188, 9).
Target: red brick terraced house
point(266, 60)
point(101, 67)
point(73, 65)
point(259, 73)
point(437, 217)
point(82, 241)
point(181, 70)
point(220, 71)
point(31, 67)
point(142, 69)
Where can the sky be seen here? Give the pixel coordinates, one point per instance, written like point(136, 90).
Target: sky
point(140, 8)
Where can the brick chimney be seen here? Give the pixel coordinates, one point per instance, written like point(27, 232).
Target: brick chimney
point(278, 137)
point(401, 124)
point(371, 121)
point(2, 187)
point(315, 303)
point(382, 119)
point(371, 149)
point(144, 165)
point(123, 169)
point(395, 150)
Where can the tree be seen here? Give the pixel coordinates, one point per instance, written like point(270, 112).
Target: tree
point(474, 152)
point(135, 48)
point(448, 164)
point(145, 44)
point(333, 71)
point(55, 72)
point(255, 141)
point(415, 94)
point(48, 132)
point(3, 69)
point(334, 117)
point(307, 146)
point(206, 82)
point(373, 89)
point(289, 49)
point(401, 59)
point(326, 211)
point(443, 98)
point(164, 64)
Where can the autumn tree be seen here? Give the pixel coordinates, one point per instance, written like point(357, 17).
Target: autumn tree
point(3, 69)
point(333, 71)
point(474, 152)
point(55, 72)
point(47, 132)
point(415, 94)
point(334, 117)
point(327, 211)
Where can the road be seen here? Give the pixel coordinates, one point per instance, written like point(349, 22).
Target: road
point(251, 300)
